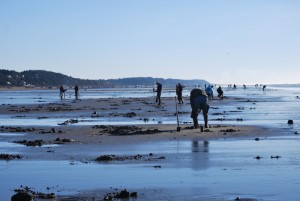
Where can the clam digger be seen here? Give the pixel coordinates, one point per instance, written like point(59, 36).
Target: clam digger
point(198, 100)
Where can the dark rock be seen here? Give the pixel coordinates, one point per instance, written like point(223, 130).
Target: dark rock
point(257, 139)
point(124, 194)
point(290, 121)
point(22, 196)
point(10, 156)
point(106, 158)
point(133, 194)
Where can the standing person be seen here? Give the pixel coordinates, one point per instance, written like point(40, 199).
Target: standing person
point(76, 88)
point(179, 89)
point(198, 100)
point(62, 92)
point(158, 92)
point(220, 92)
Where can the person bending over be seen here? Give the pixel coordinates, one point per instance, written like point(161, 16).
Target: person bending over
point(198, 100)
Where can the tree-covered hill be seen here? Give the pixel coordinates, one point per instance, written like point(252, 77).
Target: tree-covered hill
point(42, 78)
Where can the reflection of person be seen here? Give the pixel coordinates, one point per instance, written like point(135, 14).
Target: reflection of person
point(220, 92)
point(198, 100)
point(179, 89)
point(200, 151)
point(158, 92)
point(62, 92)
point(76, 88)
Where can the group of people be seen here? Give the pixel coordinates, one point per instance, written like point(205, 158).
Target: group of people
point(198, 100)
point(62, 92)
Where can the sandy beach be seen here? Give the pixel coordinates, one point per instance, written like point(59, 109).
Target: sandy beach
point(119, 145)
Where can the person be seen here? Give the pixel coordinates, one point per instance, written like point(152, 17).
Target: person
point(220, 92)
point(158, 92)
point(198, 100)
point(62, 92)
point(76, 88)
point(179, 89)
point(264, 87)
point(209, 92)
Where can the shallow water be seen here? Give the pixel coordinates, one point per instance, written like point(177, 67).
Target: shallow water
point(192, 170)
point(271, 108)
point(218, 170)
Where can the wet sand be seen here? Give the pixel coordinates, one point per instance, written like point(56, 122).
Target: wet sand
point(84, 143)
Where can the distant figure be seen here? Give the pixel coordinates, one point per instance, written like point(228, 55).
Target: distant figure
point(244, 86)
point(209, 92)
point(198, 100)
point(76, 88)
point(158, 92)
point(264, 87)
point(179, 89)
point(62, 92)
point(220, 92)
point(234, 86)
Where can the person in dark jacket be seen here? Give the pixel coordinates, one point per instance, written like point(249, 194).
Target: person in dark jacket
point(62, 92)
point(198, 100)
point(179, 89)
point(76, 88)
point(158, 92)
point(220, 92)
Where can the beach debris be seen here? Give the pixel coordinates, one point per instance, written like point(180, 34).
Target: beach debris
point(219, 113)
point(157, 166)
point(123, 194)
point(129, 114)
point(126, 130)
point(26, 193)
point(245, 199)
point(18, 129)
point(53, 130)
point(296, 133)
point(43, 117)
point(290, 121)
point(258, 157)
point(112, 157)
point(275, 157)
point(229, 130)
point(58, 140)
point(33, 143)
point(70, 121)
point(10, 156)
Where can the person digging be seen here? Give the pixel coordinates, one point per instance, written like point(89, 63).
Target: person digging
point(198, 100)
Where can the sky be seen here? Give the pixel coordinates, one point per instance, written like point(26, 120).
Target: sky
point(221, 41)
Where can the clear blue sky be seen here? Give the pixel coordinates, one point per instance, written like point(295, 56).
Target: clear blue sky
point(222, 41)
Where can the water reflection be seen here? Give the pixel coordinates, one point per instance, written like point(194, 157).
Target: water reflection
point(200, 155)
